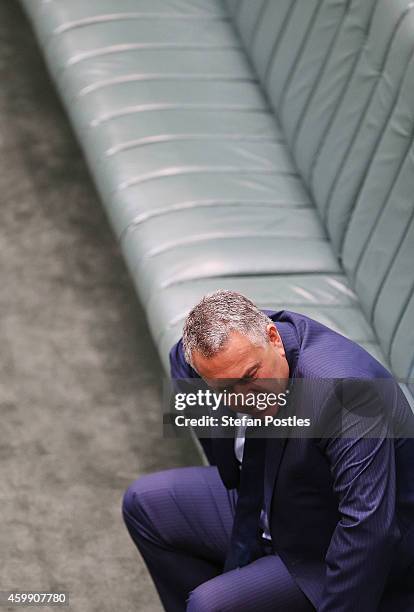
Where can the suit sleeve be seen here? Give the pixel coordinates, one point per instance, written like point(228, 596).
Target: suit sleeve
point(180, 370)
point(362, 464)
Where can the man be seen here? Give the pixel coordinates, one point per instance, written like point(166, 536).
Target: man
point(304, 523)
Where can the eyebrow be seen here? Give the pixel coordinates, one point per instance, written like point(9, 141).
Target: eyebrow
point(250, 369)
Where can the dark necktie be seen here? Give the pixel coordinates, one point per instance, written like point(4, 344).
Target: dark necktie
point(244, 542)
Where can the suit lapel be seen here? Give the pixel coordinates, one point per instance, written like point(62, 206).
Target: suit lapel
point(276, 446)
point(274, 452)
point(227, 464)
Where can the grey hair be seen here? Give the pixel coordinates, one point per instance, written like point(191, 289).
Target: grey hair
point(208, 324)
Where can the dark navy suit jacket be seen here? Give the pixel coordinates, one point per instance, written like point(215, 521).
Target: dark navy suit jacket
point(341, 509)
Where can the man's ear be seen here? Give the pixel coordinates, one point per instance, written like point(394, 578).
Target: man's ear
point(274, 337)
point(273, 334)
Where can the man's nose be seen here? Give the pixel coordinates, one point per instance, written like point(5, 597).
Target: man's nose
point(242, 390)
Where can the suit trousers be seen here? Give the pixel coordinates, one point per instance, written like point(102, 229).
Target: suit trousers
point(180, 520)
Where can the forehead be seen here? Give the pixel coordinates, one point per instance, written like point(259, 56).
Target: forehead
point(231, 361)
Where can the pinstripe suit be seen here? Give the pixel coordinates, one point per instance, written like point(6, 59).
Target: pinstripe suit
point(341, 510)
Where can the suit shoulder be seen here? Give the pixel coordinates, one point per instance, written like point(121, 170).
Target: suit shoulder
point(327, 353)
point(179, 367)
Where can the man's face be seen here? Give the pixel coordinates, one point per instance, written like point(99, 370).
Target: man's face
point(251, 368)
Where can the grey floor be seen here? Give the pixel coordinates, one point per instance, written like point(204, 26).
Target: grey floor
point(80, 392)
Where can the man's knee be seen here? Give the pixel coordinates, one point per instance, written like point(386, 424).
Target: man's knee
point(135, 497)
point(148, 493)
point(204, 598)
point(152, 490)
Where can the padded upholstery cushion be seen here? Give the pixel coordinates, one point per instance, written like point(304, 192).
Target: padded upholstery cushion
point(259, 157)
point(54, 17)
point(340, 77)
point(222, 257)
point(210, 141)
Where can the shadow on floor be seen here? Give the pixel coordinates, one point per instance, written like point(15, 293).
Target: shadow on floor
point(80, 390)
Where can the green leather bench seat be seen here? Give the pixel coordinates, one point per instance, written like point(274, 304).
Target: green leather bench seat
point(263, 146)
